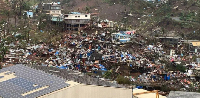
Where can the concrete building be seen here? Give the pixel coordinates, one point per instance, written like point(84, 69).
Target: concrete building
point(76, 90)
point(19, 81)
point(119, 37)
point(194, 46)
point(170, 40)
point(76, 20)
point(53, 10)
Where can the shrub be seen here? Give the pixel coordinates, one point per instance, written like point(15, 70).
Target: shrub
point(121, 80)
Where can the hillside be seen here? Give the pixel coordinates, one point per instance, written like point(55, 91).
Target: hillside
point(179, 17)
point(3, 7)
point(143, 16)
point(105, 10)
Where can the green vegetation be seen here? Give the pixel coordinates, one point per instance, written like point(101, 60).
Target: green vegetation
point(176, 67)
point(189, 17)
point(165, 88)
point(107, 75)
point(3, 49)
point(121, 80)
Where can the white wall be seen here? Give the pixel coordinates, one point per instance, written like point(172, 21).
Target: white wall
point(91, 91)
point(77, 16)
point(55, 12)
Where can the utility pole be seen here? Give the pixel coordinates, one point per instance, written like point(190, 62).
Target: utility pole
point(132, 91)
point(0, 32)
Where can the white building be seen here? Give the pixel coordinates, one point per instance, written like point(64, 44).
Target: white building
point(75, 20)
point(55, 9)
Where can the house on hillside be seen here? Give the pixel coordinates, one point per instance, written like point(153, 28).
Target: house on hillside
point(194, 46)
point(106, 24)
point(150, 0)
point(162, 1)
point(29, 14)
point(170, 40)
point(76, 20)
point(120, 37)
point(53, 10)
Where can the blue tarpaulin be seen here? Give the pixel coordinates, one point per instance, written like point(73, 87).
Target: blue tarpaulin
point(167, 77)
point(79, 66)
point(62, 67)
point(130, 56)
point(29, 14)
point(111, 56)
point(102, 67)
point(134, 58)
point(139, 87)
point(50, 50)
point(99, 47)
point(154, 77)
point(81, 55)
point(122, 55)
point(56, 53)
point(181, 54)
point(88, 54)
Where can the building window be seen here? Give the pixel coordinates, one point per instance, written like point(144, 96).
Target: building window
point(53, 8)
point(75, 16)
point(78, 16)
point(85, 15)
point(66, 15)
point(57, 8)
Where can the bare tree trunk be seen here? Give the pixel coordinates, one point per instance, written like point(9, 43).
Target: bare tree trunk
point(8, 22)
point(15, 21)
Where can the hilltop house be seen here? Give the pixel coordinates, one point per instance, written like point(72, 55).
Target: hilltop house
point(76, 20)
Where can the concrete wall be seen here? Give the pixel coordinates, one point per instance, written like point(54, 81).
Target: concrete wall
point(55, 12)
point(77, 21)
point(91, 91)
point(77, 16)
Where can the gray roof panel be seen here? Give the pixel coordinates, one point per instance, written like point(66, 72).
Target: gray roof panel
point(25, 78)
